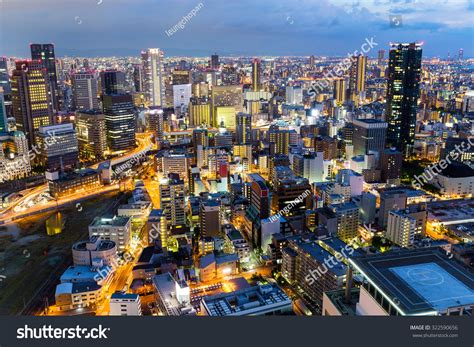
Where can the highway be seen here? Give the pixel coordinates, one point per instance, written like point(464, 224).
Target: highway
point(9, 215)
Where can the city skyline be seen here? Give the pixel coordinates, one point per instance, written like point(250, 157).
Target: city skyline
point(326, 28)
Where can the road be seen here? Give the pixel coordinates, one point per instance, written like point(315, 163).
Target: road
point(7, 216)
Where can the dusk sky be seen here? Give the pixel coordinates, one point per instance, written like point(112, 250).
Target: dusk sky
point(239, 27)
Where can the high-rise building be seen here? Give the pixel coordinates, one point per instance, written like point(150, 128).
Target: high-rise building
point(181, 97)
point(172, 203)
point(214, 61)
point(310, 166)
point(347, 215)
point(256, 75)
point(14, 156)
point(155, 118)
point(58, 147)
point(138, 78)
point(225, 96)
point(119, 122)
point(357, 76)
point(390, 200)
point(112, 82)
point(294, 95)
point(279, 141)
point(391, 166)
point(31, 98)
point(312, 61)
point(243, 128)
point(339, 91)
point(4, 78)
point(91, 134)
point(199, 112)
point(45, 53)
point(404, 70)
point(84, 91)
point(181, 77)
point(3, 113)
point(380, 57)
point(209, 217)
point(152, 60)
point(369, 135)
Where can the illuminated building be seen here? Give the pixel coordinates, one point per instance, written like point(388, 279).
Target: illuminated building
point(4, 75)
point(294, 95)
point(31, 98)
point(404, 224)
point(180, 77)
point(14, 156)
point(225, 117)
point(155, 121)
point(87, 252)
point(199, 112)
point(91, 134)
point(304, 265)
point(71, 183)
point(154, 88)
point(457, 179)
point(84, 91)
point(390, 200)
point(210, 218)
point(45, 53)
point(58, 147)
point(279, 141)
point(256, 75)
point(404, 71)
point(119, 122)
point(181, 97)
point(225, 96)
point(138, 78)
point(309, 165)
point(260, 300)
point(380, 57)
point(172, 297)
point(347, 215)
point(357, 76)
point(172, 202)
point(339, 91)
point(214, 61)
point(125, 304)
point(369, 136)
point(116, 229)
point(391, 166)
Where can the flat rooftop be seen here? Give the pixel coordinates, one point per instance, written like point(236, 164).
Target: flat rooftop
point(419, 282)
point(105, 221)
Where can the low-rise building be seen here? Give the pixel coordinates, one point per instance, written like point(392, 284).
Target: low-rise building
point(122, 304)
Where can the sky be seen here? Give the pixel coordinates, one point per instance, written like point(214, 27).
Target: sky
point(235, 27)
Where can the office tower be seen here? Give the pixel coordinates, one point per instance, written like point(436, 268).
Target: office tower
point(256, 75)
point(309, 165)
point(209, 218)
point(339, 91)
point(369, 136)
point(156, 122)
point(181, 77)
point(225, 96)
point(200, 138)
point(91, 134)
point(461, 54)
point(31, 98)
point(214, 61)
point(172, 203)
point(138, 78)
point(404, 70)
point(368, 202)
point(4, 78)
point(3, 113)
point(84, 91)
point(119, 122)
point(58, 147)
point(152, 60)
point(312, 61)
point(357, 76)
point(380, 57)
point(112, 82)
point(243, 128)
point(199, 112)
point(390, 200)
point(45, 53)
point(347, 215)
point(181, 97)
point(229, 76)
point(116, 229)
point(294, 95)
point(279, 141)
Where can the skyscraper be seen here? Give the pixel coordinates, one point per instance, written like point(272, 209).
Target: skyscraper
point(4, 79)
point(45, 53)
point(58, 147)
point(369, 135)
point(84, 91)
point(31, 98)
point(3, 114)
point(404, 71)
point(225, 96)
point(91, 134)
point(339, 91)
point(152, 60)
point(357, 76)
point(119, 121)
point(256, 75)
point(243, 128)
point(214, 61)
point(380, 57)
point(138, 78)
point(112, 82)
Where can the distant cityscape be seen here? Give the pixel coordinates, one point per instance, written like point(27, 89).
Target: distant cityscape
point(233, 186)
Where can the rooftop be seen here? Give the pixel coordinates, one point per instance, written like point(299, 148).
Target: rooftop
point(418, 282)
